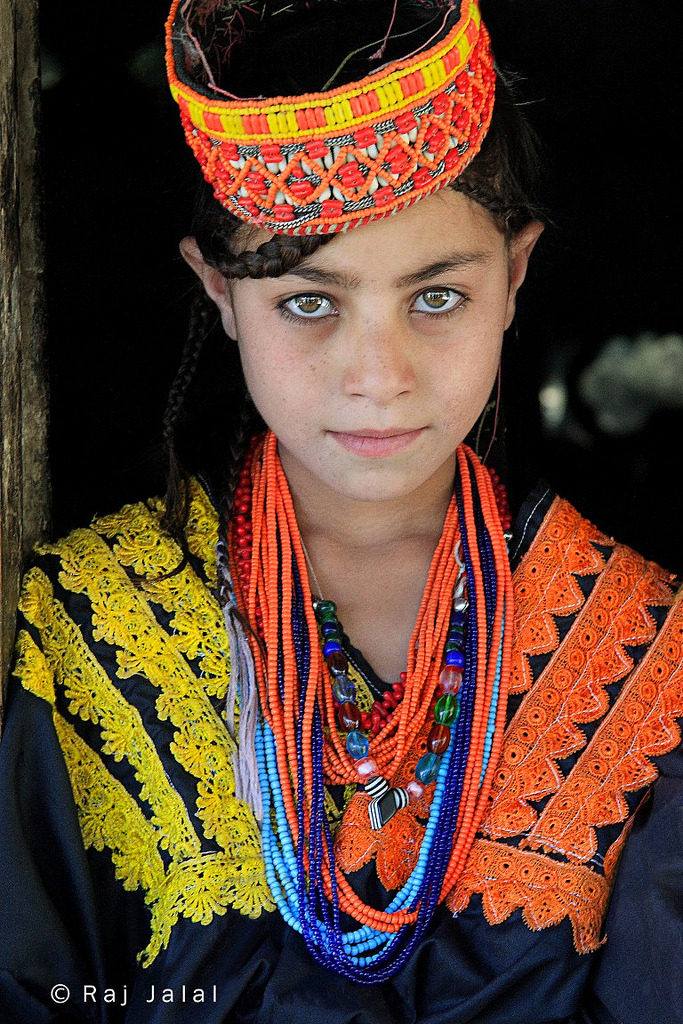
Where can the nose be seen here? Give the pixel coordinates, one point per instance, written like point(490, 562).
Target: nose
point(381, 364)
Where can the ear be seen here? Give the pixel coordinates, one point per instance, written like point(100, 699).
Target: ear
point(215, 285)
point(521, 246)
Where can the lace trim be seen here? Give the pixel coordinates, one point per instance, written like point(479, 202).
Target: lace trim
point(396, 847)
point(92, 697)
point(546, 891)
point(546, 586)
point(196, 885)
point(641, 725)
point(32, 669)
point(110, 817)
point(572, 689)
point(196, 622)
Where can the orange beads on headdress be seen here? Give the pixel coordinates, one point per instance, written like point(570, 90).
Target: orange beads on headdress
point(324, 162)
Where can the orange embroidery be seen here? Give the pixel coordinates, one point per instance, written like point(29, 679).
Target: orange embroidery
point(396, 846)
point(613, 855)
point(571, 690)
point(546, 891)
point(545, 585)
point(642, 724)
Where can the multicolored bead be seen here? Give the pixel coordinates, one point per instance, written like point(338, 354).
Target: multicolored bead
point(385, 801)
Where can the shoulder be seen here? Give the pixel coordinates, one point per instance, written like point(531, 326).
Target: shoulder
point(123, 640)
point(596, 701)
point(598, 618)
point(552, 541)
point(119, 584)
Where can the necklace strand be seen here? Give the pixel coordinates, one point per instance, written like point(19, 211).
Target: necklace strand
point(299, 747)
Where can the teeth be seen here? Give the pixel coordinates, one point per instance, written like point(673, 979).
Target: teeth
point(306, 169)
point(273, 168)
point(372, 151)
point(374, 185)
point(336, 193)
point(327, 194)
point(238, 164)
point(328, 160)
point(279, 198)
point(243, 192)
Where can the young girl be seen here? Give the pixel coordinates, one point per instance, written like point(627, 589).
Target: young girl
point(320, 736)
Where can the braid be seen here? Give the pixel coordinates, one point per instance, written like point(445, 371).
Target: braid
point(177, 496)
point(273, 258)
point(215, 231)
point(245, 426)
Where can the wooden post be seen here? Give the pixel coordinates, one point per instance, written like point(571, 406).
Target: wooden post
point(24, 482)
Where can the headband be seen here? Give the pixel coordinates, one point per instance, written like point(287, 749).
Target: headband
point(327, 161)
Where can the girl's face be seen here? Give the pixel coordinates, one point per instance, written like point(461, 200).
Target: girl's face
point(373, 358)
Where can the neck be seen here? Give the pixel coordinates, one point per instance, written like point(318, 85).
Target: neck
point(365, 526)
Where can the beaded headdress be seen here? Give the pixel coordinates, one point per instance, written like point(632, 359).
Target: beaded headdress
point(320, 162)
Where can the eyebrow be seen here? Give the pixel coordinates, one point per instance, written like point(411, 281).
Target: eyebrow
point(451, 261)
point(454, 261)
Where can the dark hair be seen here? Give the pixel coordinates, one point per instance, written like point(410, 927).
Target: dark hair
point(503, 178)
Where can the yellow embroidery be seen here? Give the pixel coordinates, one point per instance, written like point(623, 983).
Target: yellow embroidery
point(109, 816)
point(196, 625)
point(196, 884)
point(32, 668)
point(92, 697)
point(208, 884)
point(122, 617)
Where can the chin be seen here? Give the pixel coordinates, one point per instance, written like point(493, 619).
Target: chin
point(377, 485)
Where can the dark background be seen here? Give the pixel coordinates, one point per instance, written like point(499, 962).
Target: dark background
point(601, 81)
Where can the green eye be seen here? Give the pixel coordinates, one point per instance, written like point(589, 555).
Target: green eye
point(308, 307)
point(437, 300)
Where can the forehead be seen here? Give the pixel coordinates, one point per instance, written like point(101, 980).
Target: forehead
point(447, 221)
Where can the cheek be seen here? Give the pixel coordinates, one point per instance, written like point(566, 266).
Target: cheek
point(282, 384)
point(472, 367)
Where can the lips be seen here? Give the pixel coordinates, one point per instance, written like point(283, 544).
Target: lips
point(370, 443)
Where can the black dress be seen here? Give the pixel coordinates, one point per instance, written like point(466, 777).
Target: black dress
point(133, 887)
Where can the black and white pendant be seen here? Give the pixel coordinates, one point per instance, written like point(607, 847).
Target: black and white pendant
point(384, 801)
